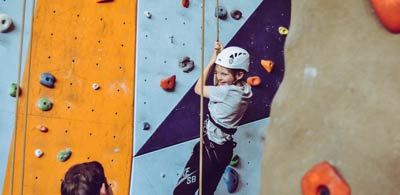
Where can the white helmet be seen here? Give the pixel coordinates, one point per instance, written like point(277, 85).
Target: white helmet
point(234, 58)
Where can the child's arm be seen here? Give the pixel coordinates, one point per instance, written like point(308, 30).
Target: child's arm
point(197, 88)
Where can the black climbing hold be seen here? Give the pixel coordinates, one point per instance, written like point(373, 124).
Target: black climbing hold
point(47, 79)
point(323, 190)
point(45, 104)
point(221, 12)
point(186, 64)
point(236, 14)
point(146, 126)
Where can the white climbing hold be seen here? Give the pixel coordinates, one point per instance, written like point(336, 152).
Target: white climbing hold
point(147, 14)
point(38, 153)
point(5, 22)
point(95, 86)
point(310, 72)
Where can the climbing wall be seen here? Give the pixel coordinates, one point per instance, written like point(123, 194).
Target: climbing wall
point(10, 43)
point(89, 48)
point(167, 122)
point(339, 100)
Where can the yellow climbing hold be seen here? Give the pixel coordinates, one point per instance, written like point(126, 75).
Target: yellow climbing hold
point(283, 30)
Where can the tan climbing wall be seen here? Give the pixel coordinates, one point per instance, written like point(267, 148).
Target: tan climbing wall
point(81, 43)
point(339, 100)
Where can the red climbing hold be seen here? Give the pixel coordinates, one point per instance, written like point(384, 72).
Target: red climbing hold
point(388, 12)
point(324, 179)
point(268, 65)
point(42, 128)
point(168, 83)
point(254, 81)
point(185, 3)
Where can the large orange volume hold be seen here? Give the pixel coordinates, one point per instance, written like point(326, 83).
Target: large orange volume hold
point(388, 12)
point(324, 179)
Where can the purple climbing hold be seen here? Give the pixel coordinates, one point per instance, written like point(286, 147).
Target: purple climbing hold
point(186, 64)
point(236, 14)
point(231, 179)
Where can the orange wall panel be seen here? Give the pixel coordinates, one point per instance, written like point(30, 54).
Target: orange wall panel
point(81, 43)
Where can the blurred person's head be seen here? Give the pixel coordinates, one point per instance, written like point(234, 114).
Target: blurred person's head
point(85, 179)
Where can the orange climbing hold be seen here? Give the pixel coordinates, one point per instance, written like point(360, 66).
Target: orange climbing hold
point(254, 81)
point(185, 3)
point(324, 179)
point(268, 65)
point(388, 12)
point(168, 83)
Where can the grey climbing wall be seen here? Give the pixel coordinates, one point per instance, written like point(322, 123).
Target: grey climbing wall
point(9, 57)
point(171, 33)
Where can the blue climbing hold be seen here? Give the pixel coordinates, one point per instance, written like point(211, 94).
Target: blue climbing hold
point(231, 179)
point(221, 12)
point(45, 104)
point(47, 79)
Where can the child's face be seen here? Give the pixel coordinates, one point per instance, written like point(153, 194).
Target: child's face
point(224, 75)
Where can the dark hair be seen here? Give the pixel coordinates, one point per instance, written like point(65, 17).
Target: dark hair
point(84, 179)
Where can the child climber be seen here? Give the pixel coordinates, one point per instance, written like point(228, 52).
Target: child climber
point(228, 102)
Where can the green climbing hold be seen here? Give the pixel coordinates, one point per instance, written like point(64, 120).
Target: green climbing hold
point(13, 90)
point(64, 155)
point(45, 104)
point(235, 161)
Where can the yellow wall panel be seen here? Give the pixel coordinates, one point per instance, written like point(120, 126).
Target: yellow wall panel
point(81, 43)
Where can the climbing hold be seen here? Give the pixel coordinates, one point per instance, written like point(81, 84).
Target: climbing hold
point(38, 153)
point(185, 3)
point(236, 14)
point(221, 12)
point(231, 179)
point(47, 79)
point(95, 86)
point(5, 23)
point(146, 126)
point(186, 64)
point(388, 12)
point(254, 81)
point(171, 38)
point(104, 1)
point(168, 83)
point(235, 161)
point(283, 31)
point(64, 155)
point(163, 175)
point(268, 65)
point(324, 179)
point(45, 104)
point(147, 14)
point(42, 128)
point(13, 90)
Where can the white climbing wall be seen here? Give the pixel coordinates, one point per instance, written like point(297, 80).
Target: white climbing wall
point(157, 57)
point(9, 57)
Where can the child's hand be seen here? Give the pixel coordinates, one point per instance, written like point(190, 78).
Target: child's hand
point(218, 46)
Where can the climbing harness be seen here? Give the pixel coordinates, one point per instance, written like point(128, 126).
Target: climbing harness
point(25, 113)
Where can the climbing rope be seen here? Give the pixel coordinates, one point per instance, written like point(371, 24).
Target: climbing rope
point(202, 88)
point(202, 99)
point(24, 128)
point(14, 135)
